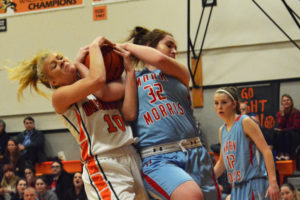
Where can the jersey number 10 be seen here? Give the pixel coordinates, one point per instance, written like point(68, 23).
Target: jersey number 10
point(114, 123)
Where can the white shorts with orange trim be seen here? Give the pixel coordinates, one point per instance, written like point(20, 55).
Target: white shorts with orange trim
point(114, 176)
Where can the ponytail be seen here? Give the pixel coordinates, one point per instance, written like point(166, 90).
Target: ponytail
point(29, 73)
point(137, 35)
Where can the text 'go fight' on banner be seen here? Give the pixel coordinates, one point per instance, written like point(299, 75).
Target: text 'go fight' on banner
point(20, 7)
point(262, 100)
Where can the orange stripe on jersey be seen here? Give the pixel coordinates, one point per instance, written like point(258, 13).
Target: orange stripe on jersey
point(82, 136)
point(84, 150)
point(105, 192)
point(98, 179)
point(82, 139)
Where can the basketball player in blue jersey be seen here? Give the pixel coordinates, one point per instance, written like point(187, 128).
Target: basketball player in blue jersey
point(244, 154)
point(175, 164)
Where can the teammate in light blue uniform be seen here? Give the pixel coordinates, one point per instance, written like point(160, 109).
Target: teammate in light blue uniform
point(244, 152)
point(175, 164)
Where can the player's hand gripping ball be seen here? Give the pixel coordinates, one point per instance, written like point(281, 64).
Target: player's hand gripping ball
point(113, 63)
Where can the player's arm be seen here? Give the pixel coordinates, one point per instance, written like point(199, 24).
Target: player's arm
point(220, 166)
point(129, 106)
point(154, 57)
point(111, 91)
point(65, 96)
point(253, 131)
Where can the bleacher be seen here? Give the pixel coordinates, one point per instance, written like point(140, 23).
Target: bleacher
point(285, 168)
point(71, 166)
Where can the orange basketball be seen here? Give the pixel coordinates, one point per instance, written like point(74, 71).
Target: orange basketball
point(113, 63)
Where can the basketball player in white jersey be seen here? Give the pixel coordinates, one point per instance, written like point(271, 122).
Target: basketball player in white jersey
point(87, 106)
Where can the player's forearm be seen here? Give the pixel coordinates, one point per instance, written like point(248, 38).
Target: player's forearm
point(129, 107)
point(270, 166)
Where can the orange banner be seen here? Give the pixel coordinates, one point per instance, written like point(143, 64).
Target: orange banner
point(100, 13)
point(17, 7)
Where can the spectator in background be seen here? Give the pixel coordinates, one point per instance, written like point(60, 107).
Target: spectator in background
point(31, 142)
point(76, 192)
point(3, 137)
point(245, 111)
point(30, 194)
point(29, 172)
point(21, 185)
point(289, 192)
point(8, 183)
point(60, 180)
point(288, 128)
point(44, 193)
point(13, 156)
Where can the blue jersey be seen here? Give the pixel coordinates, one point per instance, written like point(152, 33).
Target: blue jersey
point(164, 109)
point(242, 159)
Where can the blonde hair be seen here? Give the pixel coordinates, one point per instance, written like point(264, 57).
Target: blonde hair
point(30, 73)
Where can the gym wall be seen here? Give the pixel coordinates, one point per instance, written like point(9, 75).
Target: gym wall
point(241, 45)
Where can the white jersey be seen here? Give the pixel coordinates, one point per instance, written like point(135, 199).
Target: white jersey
point(97, 126)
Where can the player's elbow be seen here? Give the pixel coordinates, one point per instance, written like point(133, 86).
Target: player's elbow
point(160, 59)
point(130, 116)
point(99, 82)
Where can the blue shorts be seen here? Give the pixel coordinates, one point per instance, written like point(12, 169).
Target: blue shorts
point(163, 173)
point(251, 189)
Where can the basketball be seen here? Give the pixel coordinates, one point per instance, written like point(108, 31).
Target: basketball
point(113, 63)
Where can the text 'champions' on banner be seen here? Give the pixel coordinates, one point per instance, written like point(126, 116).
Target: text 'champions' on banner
point(20, 7)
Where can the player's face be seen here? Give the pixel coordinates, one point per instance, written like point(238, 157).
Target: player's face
point(167, 46)
point(224, 105)
point(59, 70)
point(286, 193)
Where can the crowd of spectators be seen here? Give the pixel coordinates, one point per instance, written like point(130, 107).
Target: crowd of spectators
point(18, 181)
point(57, 186)
point(20, 154)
